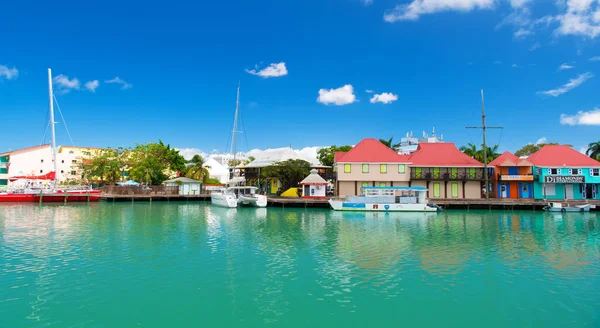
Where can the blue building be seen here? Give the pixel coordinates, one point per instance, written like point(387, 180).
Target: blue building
point(562, 173)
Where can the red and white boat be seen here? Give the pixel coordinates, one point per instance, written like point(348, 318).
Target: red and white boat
point(34, 191)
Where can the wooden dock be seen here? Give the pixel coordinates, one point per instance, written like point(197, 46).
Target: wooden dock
point(491, 204)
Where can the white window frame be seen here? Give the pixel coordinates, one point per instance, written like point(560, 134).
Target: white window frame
point(594, 172)
point(557, 171)
point(577, 171)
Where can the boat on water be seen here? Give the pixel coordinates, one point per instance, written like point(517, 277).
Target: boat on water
point(560, 207)
point(386, 199)
point(237, 194)
point(39, 188)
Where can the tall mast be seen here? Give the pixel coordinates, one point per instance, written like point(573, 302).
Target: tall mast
point(235, 127)
point(52, 122)
point(485, 170)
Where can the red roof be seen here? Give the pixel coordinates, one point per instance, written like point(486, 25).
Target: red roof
point(559, 156)
point(442, 154)
point(338, 155)
point(371, 151)
point(506, 156)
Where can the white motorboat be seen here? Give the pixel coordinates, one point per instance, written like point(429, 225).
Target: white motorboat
point(559, 207)
point(238, 196)
point(223, 198)
point(386, 199)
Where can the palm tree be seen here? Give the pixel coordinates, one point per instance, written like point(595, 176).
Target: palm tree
point(470, 150)
point(390, 144)
point(593, 150)
point(197, 170)
point(491, 152)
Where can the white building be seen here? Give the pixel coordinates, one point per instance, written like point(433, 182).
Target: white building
point(314, 186)
point(217, 170)
point(37, 161)
point(187, 186)
point(409, 144)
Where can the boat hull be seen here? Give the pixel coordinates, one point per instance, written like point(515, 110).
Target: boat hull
point(582, 208)
point(256, 201)
point(71, 196)
point(223, 200)
point(339, 205)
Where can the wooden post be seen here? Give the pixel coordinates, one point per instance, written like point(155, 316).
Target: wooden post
point(88, 196)
point(66, 198)
point(41, 196)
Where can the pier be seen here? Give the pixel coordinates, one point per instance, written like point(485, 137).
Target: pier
point(489, 204)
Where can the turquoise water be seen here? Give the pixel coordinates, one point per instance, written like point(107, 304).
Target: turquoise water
point(177, 264)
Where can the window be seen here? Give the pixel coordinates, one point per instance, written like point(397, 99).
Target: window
point(382, 168)
point(553, 171)
point(365, 168)
point(41, 171)
point(347, 168)
point(575, 171)
point(454, 173)
point(454, 190)
point(382, 184)
point(436, 172)
point(71, 152)
point(550, 189)
point(595, 172)
point(401, 168)
point(73, 172)
point(62, 171)
point(364, 184)
point(42, 161)
point(472, 174)
point(63, 161)
point(74, 161)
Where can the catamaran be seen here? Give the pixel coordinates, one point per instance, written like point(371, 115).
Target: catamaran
point(386, 199)
point(237, 194)
point(33, 191)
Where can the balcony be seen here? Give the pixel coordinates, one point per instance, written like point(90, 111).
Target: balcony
point(448, 174)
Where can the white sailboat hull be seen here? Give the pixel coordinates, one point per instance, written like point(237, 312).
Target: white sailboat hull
point(254, 200)
point(223, 200)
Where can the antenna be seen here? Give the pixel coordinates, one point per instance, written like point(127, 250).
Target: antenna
point(484, 128)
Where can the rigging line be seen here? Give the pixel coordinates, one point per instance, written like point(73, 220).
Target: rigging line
point(243, 130)
point(63, 119)
point(45, 132)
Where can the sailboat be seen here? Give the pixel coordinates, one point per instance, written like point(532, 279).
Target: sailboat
point(52, 193)
point(236, 194)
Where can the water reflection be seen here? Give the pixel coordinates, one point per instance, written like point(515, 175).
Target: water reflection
point(275, 265)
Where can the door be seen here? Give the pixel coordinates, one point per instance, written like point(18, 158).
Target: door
point(418, 171)
point(454, 173)
point(513, 171)
point(525, 190)
point(454, 190)
point(569, 191)
point(436, 190)
point(504, 190)
point(595, 191)
point(436, 172)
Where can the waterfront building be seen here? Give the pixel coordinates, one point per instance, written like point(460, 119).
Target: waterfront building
point(369, 163)
point(187, 186)
point(37, 161)
point(217, 170)
point(563, 173)
point(446, 171)
point(512, 177)
point(314, 186)
point(4, 160)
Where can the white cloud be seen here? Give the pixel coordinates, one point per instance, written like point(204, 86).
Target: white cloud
point(118, 80)
point(572, 84)
point(535, 46)
point(369, 91)
point(273, 70)
point(514, 66)
point(417, 8)
point(367, 2)
point(541, 140)
point(518, 3)
point(65, 85)
point(340, 96)
point(565, 66)
point(579, 19)
point(8, 73)
point(522, 33)
point(591, 117)
point(92, 85)
point(497, 62)
point(595, 59)
point(384, 98)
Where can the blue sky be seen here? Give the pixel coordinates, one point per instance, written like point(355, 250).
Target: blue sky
point(178, 65)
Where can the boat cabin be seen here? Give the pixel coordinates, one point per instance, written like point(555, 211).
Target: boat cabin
point(393, 195)
point(243, 190)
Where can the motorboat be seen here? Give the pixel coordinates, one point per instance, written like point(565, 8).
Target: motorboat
point(560, 207)
point(235, 196)
point(386, 199)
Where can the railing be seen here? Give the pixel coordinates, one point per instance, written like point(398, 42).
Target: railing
point(461, 176)
point(140, 190)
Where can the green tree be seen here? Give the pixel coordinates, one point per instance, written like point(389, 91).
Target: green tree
point(470, 150)
point(477, 153)
point(289, 172)
point(390, 143)
point(593, 150)
point(153, 163)
point(197, 170)
point(103, 166)
point(326, 155)
point(532, 148)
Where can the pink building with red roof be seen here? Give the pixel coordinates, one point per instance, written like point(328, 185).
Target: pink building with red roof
point(563, 173)
point(440, 167)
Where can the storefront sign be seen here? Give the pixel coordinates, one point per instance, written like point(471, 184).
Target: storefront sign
point(516, 177)
point(564, 179)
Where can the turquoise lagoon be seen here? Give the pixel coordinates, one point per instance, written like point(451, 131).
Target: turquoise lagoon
point(194, 265)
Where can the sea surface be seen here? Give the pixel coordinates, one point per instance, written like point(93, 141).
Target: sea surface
point(195, 265)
